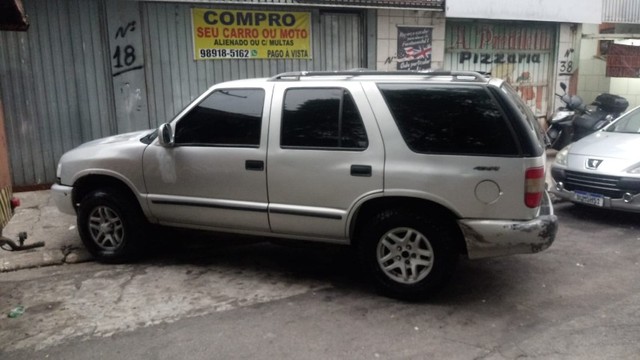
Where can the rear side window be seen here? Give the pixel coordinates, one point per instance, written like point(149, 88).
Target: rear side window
point(526, 113)
point(225, 118)
point(325, 118)
point(449, 120)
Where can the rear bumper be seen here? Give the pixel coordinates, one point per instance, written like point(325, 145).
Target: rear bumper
point(61, 195)
point(489, 238)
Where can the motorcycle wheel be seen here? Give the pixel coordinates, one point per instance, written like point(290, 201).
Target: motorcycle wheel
point(557, 141)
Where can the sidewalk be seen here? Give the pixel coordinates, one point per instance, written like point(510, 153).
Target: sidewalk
point(39, 217)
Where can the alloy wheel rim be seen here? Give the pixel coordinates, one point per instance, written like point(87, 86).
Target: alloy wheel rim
point(405, 255)
point(106, 228)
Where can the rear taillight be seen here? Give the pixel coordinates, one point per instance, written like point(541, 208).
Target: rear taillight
point(533, 186)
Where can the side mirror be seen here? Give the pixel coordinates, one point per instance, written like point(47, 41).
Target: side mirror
point(563, 86)
point(165, 135)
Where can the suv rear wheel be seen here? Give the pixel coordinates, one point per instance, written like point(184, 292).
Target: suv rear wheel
point(111, 225)
point(409, 256)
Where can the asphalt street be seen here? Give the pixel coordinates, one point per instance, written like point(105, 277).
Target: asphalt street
point(201, 298)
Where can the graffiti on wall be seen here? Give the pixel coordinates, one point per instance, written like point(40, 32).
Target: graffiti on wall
point(565, 64)
point(127, 70)
point(123, 56)
point(390, 59)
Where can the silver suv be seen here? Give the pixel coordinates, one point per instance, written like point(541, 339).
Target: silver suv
point(411, 168)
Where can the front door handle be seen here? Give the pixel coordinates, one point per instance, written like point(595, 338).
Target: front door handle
point(361, 170)
point(254, 165)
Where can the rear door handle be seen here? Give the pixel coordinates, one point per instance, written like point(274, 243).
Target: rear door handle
point(254, 165)
point(361, 170)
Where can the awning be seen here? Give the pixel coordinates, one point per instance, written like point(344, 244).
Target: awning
point(432, 5)
point(397, 4)
point(12, 16)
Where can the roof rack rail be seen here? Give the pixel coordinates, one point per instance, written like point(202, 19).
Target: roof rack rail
point(297, 75)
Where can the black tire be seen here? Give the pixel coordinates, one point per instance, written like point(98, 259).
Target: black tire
point(557, 142)
point(422, 234)
point(565, 137)
point(111, 225)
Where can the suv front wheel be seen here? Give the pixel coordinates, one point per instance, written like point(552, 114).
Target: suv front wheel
point(111, 225)
point(408, 255)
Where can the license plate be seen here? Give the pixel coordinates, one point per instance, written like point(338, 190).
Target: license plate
point(589, 198)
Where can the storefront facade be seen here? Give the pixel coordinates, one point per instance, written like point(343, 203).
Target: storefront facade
point(521, 54)
point(533, 45)
point(86, 69)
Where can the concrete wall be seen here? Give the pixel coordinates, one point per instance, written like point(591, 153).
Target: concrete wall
point(387, 42)
point(567, 61)
point(627, 87)
point(592, 80)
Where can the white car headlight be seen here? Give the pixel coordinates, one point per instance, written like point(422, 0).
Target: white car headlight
point(561, 156)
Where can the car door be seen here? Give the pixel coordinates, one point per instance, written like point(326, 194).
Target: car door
point(325, 155)
point(214, 175)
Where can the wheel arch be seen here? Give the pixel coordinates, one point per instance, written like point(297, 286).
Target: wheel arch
point(371, 207)
point(84, 185)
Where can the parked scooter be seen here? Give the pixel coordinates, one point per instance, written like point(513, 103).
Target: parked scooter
point(560, 128)
point(574, 121)
point(604, 109)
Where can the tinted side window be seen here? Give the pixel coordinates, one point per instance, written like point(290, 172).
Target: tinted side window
point(449, 120)
point(321, 118)
point(226, 117)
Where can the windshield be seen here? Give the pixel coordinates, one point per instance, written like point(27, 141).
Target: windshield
point(629, 123)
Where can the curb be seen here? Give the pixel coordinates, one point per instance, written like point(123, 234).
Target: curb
point(40, 258)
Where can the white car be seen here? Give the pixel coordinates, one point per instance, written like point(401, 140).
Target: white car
point(603, 169)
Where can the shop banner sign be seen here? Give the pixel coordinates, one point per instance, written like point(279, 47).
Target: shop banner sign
point(521, 54)
point(623, 61)
point(414, 48)
point(243, 34)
